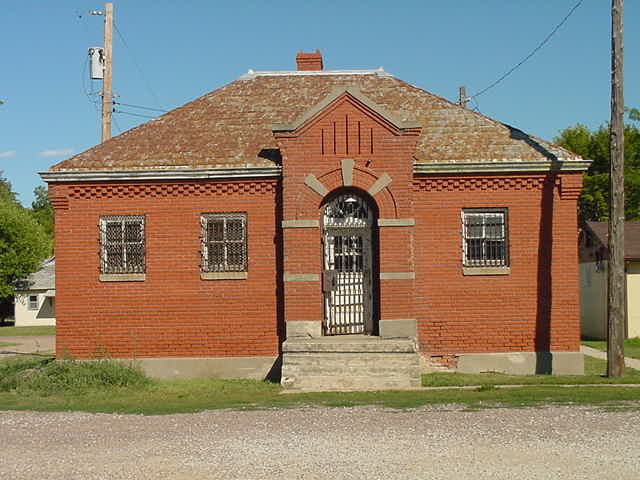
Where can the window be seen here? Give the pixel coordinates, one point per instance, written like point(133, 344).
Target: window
point(485, 238)
point(122, 244)
point(224, 242)
point(33, 302)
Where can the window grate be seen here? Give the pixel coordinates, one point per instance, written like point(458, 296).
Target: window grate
point(122, 248)
point(224, 242)
point(484, 238)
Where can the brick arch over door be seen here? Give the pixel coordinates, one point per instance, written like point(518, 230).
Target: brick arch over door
point(308, 201)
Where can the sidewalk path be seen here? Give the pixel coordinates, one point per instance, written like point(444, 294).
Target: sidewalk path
point(31, 344)
point(593, 352)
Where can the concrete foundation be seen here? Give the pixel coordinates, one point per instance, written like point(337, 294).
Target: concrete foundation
point(257, 368)
point(401, 328)
point(522, 363)
point(304, 329)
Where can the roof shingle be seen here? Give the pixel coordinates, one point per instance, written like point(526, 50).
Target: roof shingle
point(231, 126)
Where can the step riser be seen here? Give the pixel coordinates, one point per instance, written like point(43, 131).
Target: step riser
point(350, 371)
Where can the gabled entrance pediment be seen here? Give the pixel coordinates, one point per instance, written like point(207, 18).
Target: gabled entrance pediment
point(347, 123)
point(354, 96)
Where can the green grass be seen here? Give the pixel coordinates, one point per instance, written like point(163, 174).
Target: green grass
point(31, 383)
point(7, 344)
point(26, 331)
point(594, 370)
point(631, 346)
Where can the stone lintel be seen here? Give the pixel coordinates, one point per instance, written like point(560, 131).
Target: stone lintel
point(347, 172)
point(396, 222)
point(380, 184)
point(397, 275)
point(486, 270)
point(300, 223)
point(316, 185)
point(301, 277)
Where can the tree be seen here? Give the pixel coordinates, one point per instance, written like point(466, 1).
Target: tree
point(594, 145)
point(6, 193)
point(23, 245)
point(42, 209)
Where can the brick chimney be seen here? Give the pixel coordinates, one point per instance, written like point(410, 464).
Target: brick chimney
point(309, 61)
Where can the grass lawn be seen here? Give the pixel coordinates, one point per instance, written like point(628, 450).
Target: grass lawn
point(5, 344)
point(594, 370)
point(631, 346)
point(63, 391)
point(26, 331)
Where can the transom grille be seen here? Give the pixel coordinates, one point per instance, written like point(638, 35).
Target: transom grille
point(122, 244)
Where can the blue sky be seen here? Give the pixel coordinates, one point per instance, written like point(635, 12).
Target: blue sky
point(175, 51)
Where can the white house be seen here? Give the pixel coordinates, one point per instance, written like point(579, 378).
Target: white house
point(35, 297)
point(593, 279)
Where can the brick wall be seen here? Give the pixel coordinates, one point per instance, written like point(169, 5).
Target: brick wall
point(536, 306)
point(173, 313)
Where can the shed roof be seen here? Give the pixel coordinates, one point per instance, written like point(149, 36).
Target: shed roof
point(232, 127)
point(631, 237)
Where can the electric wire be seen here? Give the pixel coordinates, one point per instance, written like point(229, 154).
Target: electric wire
point(533, 52)
point(132, 114)
point(140, 107)
point(133, 57)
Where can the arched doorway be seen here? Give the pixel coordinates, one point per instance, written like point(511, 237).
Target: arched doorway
point(348, 223)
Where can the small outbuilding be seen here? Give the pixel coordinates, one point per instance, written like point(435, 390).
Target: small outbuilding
point(344, 226)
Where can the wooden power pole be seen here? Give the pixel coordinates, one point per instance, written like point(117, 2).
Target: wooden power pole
point(107, 105)
point(462, 97)
point(615, 281)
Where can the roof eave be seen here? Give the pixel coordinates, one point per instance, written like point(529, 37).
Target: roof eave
point(162, 175)
point(501, 167)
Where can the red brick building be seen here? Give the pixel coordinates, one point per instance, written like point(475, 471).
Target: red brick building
point(315, 204)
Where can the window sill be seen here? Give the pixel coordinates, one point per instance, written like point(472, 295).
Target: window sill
point(224, 275)
point(123, 277)
point(486, 270)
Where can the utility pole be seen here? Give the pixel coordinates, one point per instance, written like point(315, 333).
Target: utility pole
point(107, 105)
point(615, 281)
point(462, 97)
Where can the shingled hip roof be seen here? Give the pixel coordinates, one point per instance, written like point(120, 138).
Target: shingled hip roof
point(232, 127)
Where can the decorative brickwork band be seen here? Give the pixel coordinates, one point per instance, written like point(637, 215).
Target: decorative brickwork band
point(60, 202)
point(170, 189)
point(570, 187)
point(478, 184)
point(396, 222)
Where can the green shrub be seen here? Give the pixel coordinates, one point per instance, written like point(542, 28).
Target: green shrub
point(49, 377)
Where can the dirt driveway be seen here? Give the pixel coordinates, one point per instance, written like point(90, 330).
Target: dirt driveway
point(325, 443)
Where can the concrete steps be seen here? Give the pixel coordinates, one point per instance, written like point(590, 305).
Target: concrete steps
point(349, 362)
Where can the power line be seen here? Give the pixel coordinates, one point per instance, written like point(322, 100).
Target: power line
point(131, 113)
point(141, 107)
point(133, 57)
point(535, 50)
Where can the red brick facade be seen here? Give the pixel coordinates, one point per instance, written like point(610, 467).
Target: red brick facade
point(334, 138)
point(173, 313)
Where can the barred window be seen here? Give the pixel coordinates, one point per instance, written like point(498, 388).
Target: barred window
point(122, 244)
point(224, 242)
point(485, 238)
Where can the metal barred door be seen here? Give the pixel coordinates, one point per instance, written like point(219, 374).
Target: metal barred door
point(347, 266)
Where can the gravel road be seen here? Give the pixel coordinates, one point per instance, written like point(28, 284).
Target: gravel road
point(324, 443)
